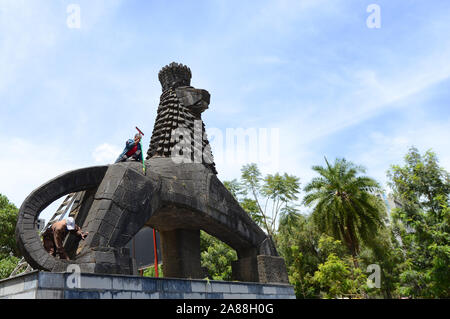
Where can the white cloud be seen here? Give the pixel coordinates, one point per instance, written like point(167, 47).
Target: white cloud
point(24, 166)
point(93, 13)
point(380, 150)
point(106, 153)
point(365, 95)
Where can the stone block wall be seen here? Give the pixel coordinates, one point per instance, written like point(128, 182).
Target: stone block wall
point(46, 285)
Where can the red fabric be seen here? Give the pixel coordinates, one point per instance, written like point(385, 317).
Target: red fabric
point(132, 151)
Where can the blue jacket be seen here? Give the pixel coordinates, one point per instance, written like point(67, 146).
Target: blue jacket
point(128, 146)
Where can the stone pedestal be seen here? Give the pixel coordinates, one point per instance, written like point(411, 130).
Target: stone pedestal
point(48, 285)
point(271, 269)
point(262, 268)
point(181, 253)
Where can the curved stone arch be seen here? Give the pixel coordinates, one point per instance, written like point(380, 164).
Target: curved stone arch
point(27, 236)
point(191, 199)
point(178, 200)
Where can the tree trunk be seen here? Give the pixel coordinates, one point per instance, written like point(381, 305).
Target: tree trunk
point(350, 243)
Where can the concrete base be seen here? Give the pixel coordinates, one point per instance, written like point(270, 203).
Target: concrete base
point(272, 269)
point(47, 285)
point(263, 269)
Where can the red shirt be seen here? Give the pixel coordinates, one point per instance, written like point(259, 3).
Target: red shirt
point(132, 151)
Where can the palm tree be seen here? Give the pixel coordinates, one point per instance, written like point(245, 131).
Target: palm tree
point(344, 206)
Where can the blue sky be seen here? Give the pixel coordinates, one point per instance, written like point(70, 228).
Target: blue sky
point(69, 98)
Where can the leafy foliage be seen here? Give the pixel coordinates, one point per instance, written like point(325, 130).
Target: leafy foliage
point(216, 256)
point(422, 223)
point(8, 220)
point(344, 205)
point(337, 278)
point(311, 258)
point(385, 252)
point(150, 271)
point(7, 266)
point(277, 192)
point(297, 240)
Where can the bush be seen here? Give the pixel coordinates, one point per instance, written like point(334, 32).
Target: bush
point(7, 266)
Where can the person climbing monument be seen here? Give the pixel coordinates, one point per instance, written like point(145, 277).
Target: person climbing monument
point(54, 236)
point(132, 150)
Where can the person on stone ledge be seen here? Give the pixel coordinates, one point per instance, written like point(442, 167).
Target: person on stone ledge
point(54, 236)
point(132, 150)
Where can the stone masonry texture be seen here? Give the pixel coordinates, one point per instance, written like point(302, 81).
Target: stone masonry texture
point(176, 198)
point(47, 285)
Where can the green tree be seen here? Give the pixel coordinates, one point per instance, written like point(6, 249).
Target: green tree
point(8, 220)
point(277, 192)
point(249, 205)
point(7, 265)
point(304, 248)
point(387, 253)
point(344, 206)
point(422, 221)
point(297, 242)
point(234, 187)
point(150, 271)
point(328, 246)
point(216, 257)
point(337, 278)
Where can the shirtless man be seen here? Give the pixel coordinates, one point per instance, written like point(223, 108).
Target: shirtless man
point(54, 236)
